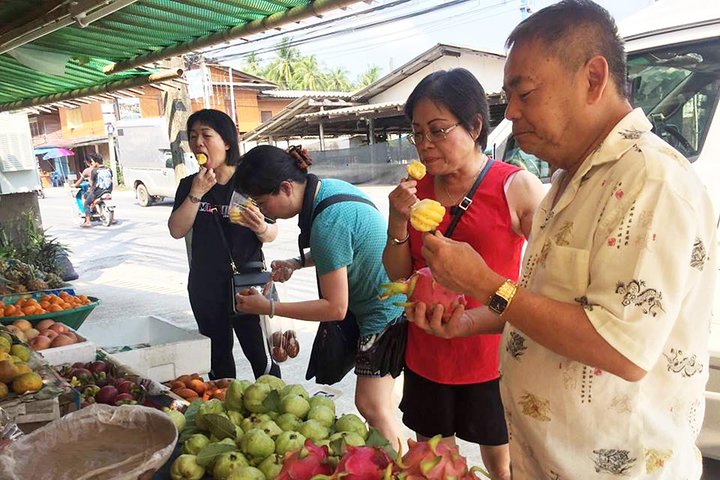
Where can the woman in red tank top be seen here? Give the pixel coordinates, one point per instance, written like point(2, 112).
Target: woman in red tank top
point(451, 386)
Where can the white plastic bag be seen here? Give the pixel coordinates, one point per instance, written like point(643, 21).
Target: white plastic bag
point(96, 443)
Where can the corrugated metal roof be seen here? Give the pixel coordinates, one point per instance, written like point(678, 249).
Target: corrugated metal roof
point(87, 39)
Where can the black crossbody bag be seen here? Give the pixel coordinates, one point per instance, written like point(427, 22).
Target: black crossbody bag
point(253, 274)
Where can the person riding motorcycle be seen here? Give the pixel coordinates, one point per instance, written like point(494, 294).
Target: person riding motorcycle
point(101, 181)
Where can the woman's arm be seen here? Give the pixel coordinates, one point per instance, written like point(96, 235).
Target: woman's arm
point(396, 256)
point(524, 194)
point(182, 218)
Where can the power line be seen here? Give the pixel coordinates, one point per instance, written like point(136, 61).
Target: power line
point(294, 43)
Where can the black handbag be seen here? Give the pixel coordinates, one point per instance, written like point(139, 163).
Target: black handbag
point(335, 346)
point(253, 274)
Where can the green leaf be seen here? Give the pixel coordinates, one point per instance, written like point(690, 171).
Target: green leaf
point(375, 439)
point(220, 426)
point(272, 401)
point(207, 455)
point(190, 427)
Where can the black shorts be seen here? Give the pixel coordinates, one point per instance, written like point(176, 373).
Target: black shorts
point(471, 412)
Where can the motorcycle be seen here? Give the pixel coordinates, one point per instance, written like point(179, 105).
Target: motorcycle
point(102, 209)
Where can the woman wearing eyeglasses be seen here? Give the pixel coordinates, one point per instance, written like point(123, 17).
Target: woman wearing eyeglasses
point(451, 386)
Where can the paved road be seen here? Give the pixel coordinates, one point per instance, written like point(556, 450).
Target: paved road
point(137, 270)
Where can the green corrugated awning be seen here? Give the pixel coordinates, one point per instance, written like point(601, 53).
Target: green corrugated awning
point(100, 44)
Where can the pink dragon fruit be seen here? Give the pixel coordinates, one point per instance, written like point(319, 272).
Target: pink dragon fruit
point(433, 460)
point(422, 287)
point(363, 463)
point(305, 463)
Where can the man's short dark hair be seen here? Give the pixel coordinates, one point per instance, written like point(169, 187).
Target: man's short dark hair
point(95, 157)
point(576, 30)
point(461, 93)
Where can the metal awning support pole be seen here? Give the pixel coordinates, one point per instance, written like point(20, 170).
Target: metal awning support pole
point(232, 97)
point(315, 8)
point(95, 90)
point(322, 132)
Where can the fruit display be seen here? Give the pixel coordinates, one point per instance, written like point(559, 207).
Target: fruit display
point(19, 277)
point(191, 387)
point(416, 170)
point(43, 304)
point(17, 367)
point(426, 215)
point(102, 382)
point(422, 287)
point(45, 334)
point(272, 430)
point(284, 344)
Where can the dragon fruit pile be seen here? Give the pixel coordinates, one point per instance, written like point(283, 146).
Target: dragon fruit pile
point(431, 460)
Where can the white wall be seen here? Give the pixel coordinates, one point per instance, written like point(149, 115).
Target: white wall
point(487, 69)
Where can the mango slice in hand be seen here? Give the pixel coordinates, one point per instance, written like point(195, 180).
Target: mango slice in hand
point(426, 215)
point(416, 170)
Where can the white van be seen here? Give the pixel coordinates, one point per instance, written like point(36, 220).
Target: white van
point(144, 155)
point(674, 75)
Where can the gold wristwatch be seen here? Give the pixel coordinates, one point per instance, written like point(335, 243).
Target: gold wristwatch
point(500, 300)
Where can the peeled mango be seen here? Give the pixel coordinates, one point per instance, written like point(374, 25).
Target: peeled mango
point(352, 423)
point(320, 400)
point(185, 467)
point(177, 418)
point(247, 473)
point(257, 444)
point(234, 396)
point(195, 443)
point(226, 463)
point(254, 396)
point(288, 441)
point(322, 414)
point(295, 404)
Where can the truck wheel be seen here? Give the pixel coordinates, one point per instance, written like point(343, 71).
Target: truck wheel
point(144, 198)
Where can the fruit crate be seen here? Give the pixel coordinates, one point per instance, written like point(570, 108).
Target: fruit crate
point(11, 298)
point(73, 317)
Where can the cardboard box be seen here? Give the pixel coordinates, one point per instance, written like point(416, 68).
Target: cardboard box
point(82, 351)
point(152, 346)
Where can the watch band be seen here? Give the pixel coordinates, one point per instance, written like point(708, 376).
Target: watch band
point(500, 300)
point(193, 198)
point(395, 241)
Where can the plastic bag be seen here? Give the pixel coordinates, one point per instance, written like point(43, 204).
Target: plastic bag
point(283, 340)
point(96, 443)
point(9, 431)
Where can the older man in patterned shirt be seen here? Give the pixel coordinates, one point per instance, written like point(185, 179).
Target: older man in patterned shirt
point(604, 355)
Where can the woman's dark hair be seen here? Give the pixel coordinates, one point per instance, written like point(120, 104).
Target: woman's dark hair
point(574, 31)
point(95, 157)
point(265, 167)
point(460, 92)
point(223, 125)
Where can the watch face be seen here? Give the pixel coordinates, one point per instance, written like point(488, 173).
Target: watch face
point(497, 304)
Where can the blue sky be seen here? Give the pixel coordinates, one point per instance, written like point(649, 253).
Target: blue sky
point(480, 24)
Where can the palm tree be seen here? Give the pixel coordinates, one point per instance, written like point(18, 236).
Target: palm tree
point(337, 80)
point(252, 64)
point(370, 76)
point(308, 75)
point(282, 69)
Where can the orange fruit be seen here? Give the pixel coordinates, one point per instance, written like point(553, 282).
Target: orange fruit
point(55, 308)
point(29, 310)
point(45, 304)
point(20, 302)
point(10, 310)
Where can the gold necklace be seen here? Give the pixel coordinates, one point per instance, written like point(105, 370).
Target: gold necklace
point(447, 193)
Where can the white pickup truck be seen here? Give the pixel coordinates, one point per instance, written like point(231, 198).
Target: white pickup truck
point(674, 72)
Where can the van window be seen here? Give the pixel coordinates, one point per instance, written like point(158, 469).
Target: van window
point(677, 88)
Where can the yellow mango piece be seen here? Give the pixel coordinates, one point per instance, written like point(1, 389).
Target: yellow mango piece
point(201, 158)
point(426, 215)
point(416, 170)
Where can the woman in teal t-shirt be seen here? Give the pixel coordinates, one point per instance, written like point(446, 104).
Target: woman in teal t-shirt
point(346, 243)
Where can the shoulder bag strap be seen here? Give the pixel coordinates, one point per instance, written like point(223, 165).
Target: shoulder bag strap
point(465, 203)
point(216, 216)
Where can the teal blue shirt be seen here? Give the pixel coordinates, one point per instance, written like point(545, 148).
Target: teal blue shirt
point(353, 235)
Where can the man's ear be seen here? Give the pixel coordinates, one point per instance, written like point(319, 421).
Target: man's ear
point(597, 76)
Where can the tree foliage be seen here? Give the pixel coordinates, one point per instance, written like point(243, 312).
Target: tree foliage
point(292, 70)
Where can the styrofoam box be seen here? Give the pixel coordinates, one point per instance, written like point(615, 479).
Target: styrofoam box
point(158, 350)
point(82, 351)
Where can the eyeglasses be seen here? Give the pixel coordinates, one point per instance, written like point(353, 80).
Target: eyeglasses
point(433, 136)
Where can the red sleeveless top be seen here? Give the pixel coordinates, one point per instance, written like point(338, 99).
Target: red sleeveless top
point(487, 226)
